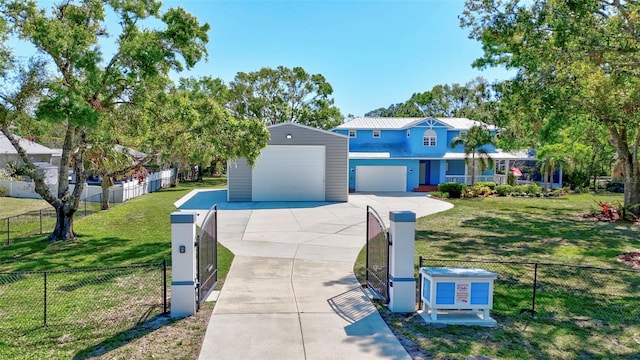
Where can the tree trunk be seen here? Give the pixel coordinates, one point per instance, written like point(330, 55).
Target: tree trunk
point(631, 187)
point(64, 224)
point(105, 185)
point(473, 168)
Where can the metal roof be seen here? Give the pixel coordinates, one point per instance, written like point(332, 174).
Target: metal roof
point(31, 147)
point(391, 123)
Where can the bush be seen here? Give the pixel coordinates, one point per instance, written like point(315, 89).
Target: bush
point(615, 185)
point(490, 184)
point(504, 190)
point(4, 192)
point(439, 194)
point(519, 189)
point(453, 188)
point(476, 190)
point(532, 189)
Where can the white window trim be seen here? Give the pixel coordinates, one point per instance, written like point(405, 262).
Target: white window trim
point(430, 140)
point(378, 132)
point(354, 132)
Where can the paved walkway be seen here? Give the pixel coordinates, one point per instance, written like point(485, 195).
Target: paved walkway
point(291, 292)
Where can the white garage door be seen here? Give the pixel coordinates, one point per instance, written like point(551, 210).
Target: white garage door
point(289, 173)
point(381, 178)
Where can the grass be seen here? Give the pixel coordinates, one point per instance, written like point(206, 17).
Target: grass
point(14, 206)
point(138, 231)
point(569, 324)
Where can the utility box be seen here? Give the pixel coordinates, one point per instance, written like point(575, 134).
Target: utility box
point(457, 296)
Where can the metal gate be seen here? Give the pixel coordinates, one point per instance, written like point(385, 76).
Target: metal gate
point(207, 256)
point(377, 274)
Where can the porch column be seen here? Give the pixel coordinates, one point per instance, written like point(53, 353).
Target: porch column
point(443, 171)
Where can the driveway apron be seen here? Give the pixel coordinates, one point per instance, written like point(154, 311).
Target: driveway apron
point(291, 292)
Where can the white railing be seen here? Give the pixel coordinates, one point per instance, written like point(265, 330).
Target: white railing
point(466, 179)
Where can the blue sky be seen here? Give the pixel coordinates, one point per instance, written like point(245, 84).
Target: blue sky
point(373, 53)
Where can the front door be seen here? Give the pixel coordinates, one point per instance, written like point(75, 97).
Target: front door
point(423, 172)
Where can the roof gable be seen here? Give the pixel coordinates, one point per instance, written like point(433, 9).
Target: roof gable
point(285, 124)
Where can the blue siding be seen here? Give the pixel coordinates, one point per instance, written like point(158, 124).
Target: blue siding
point(445, 293)
point(434, 175)
point(456, 167)
point(479, 293)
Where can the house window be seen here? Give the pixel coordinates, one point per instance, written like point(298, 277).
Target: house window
point(352, 133)
point(430, 138)
point(408, 133)
point(463, 132)
point(376, 134)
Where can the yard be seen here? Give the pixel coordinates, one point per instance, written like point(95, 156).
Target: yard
point(138, 231)
point(545, 230)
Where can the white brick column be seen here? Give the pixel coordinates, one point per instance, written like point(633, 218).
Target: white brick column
point(402, 281)
point(183, 264)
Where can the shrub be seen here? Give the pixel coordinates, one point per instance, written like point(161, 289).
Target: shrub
point(504, 190)
point(4, 192)
point(490, 184)
point(615, 185)
point(532, 189)
point(439, 194)
point(453, 188)
point(519, 189)
point(476, 190)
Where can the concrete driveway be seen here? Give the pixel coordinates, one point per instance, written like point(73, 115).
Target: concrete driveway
point(291, 292)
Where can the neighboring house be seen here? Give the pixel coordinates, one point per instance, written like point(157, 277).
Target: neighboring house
point(407, 154)
point(36, 152)
point(300, 163)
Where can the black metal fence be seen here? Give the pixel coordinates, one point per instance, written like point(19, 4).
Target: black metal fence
point(114, 297)
point(559, 292)
point(377, 255)
point(14, 228)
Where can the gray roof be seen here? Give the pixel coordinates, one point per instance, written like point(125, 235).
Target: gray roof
point(389, 123)
point(31, 147)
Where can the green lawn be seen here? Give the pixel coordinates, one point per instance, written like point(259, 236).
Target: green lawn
point(138, 231)
point(570, 322)
point(14, 206)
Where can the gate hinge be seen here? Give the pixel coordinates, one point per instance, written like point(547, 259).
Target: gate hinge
point(197, 240)
point(389, 238)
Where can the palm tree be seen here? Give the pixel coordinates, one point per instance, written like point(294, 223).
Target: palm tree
point(472, 141)
point(551, 157)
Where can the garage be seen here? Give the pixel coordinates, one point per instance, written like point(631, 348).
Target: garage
point(381, 178)
point(300, 163)
point(287, 173)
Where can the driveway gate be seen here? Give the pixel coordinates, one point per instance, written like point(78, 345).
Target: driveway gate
point(377, 274)
point(207, 256)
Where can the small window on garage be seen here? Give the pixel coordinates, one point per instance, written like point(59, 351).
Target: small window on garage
point(352, 133)
point(376, 134)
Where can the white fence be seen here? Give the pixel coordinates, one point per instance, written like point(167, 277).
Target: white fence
point(117, 194)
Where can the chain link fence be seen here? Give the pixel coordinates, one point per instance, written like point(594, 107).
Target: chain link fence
point(116, 297)
point(18, 227)
point(559, 292)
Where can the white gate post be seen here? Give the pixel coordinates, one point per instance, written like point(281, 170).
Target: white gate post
point(183, 264)
point(402, 282)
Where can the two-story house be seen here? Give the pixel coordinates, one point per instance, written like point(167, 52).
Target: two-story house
point(407, 154)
